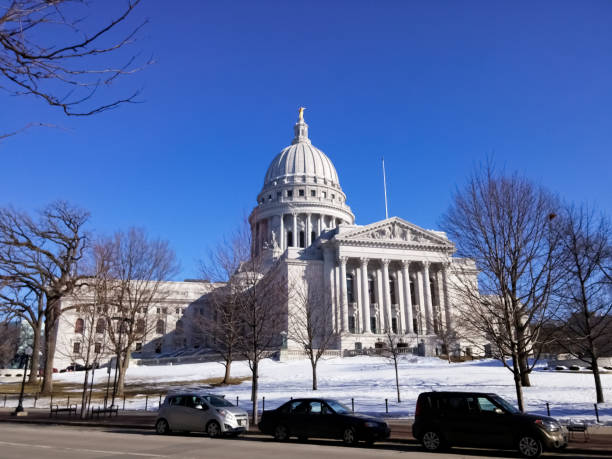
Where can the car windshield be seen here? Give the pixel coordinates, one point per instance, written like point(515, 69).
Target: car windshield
point(338, 407)
point(218, 402)
point(504, 404)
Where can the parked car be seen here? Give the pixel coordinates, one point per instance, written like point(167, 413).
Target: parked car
point(321, 418)
point(198, 411)
point(444, 419)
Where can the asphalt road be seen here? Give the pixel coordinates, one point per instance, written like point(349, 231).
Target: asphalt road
point(48, 441)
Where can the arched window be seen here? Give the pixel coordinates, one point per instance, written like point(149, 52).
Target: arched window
point(100, 326)
point(140, 326)
point(79, 326)
point(160, 327)
point(371, 289)
point(350, 288)
point(289, 238)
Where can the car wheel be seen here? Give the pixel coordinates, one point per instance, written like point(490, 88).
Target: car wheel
point(529, 446)
point(431, 441)
point(213, 429)
point(162, 427)
point(349, 436)
point(281, 433)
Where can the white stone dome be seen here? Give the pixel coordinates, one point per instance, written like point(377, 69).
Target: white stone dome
point(301, 162)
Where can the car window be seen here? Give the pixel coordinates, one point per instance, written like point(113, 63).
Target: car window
point(455, 405)
point(315, 408)
point(338, 408)
point(190, 401)
point(289, 407)
point(218, 401)
point(486, 405)
point(302, 408)
point(326, 409)
point(174, 401)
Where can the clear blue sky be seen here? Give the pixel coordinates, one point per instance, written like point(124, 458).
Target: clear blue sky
point(435, 87)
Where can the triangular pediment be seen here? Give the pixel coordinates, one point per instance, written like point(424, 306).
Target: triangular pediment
point(396, 230)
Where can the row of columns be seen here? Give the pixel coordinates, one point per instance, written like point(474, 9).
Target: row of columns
point(263, 229)
point(405, 316)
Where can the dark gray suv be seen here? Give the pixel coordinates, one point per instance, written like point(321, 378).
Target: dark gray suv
point(444, 419)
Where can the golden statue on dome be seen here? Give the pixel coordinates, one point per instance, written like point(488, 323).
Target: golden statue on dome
point(301, 114)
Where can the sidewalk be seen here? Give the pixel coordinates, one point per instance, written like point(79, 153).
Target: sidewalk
point(600, 441)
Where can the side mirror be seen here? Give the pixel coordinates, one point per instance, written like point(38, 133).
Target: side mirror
point(499, 411)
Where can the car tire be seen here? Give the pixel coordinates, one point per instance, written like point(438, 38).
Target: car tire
point(432, 441)
point(349, 436)
point(213, 429)
point(162, 427)
point(281, 433)
point(529, 446)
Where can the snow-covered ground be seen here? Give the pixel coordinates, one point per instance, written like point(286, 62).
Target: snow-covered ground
point(371, 380)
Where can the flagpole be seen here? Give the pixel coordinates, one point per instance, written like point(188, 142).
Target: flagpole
point(385, 186)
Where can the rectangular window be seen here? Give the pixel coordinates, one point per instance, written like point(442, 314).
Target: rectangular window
point(158, 310)
point(325, 194)
point(300, 192)
point(98, 348)
point(138, 347)
point(289, 193)
point(76, 348)
point(177, 310)
point(278, 194)
point(165, 310)
point(313, 193)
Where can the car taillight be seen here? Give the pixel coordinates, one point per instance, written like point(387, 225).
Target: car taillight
point(417, 411)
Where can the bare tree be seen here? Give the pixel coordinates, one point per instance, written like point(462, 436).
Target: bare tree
point(309, 323)
point(392, 351)
point(52, 51)
point(585, 296)
point(43, 256)
point(221, 322)
point(504, 223)
point(138, 269)
point(9, 331)
point(19, 300)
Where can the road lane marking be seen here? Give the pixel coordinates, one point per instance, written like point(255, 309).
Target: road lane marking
point(81, 450)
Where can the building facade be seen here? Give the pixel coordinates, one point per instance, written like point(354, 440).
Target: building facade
point(386, 276)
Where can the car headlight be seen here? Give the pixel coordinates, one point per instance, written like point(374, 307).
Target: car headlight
point(549, 426)
point(370, 424)
point(225, 413)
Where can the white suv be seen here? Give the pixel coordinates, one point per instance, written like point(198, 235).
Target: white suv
point(196, 411)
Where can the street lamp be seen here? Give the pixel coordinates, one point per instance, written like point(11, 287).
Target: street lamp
point(19, 411)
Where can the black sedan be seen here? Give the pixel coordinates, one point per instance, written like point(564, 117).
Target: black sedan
point(321, 418)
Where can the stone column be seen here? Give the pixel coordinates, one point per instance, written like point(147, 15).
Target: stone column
point(343, 294)
point(380, 301)
point(281, 236)
point(399, 293)
point(328, 268)
point(386, 293)
point(358, 300)
point(447, 305)
point(407, 296)
point(429, 320)
point(319, 223)
point(307, 240)
point(365, 296)
point(295, 231)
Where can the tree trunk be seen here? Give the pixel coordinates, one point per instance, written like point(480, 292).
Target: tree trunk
point(254, 387)
point(35, 359)
point(123, 366)
point(228, 368)
point(314, 374)
point(84, 394)
point(397, 381)
point(50, 344)
point(517, 382)
point(597, 377)
point(524, 369)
